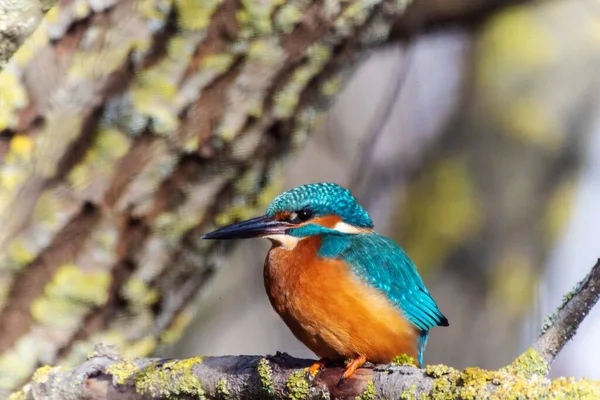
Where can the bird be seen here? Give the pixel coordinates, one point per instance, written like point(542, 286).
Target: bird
point(345, 291)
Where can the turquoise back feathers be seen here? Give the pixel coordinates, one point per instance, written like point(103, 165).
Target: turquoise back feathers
point(381, 264)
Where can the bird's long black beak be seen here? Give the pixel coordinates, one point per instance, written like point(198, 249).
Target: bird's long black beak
point(252, 228)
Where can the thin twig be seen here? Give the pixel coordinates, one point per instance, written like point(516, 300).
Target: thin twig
point(563, 324)
point(381, 119)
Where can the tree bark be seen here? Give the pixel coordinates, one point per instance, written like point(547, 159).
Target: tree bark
point(283, 377)
point(18, 18)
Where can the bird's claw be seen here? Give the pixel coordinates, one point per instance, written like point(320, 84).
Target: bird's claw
point(351, 368)
point(315, 369)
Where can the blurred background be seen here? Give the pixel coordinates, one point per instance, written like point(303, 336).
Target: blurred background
point(478, 152)
point(475, 146)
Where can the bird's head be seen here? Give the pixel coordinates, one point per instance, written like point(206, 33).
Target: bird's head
point(305, 211)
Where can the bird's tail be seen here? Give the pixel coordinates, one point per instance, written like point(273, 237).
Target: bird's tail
point(422, 345)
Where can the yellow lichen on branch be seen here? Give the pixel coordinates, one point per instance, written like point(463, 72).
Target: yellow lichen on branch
point(282, 376)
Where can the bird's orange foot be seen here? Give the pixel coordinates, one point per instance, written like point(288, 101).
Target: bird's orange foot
point(351, 368)
point(314, 369)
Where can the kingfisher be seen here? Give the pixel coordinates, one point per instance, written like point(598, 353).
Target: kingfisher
point(345, 291)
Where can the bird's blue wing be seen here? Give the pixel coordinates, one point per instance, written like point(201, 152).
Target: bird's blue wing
point(384, 265)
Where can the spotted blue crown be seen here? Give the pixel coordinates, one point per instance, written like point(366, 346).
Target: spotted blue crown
point(323, 199)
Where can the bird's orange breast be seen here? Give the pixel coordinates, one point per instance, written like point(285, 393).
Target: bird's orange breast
point(330, 310)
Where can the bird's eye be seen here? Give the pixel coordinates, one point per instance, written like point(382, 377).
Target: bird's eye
point(300, 216)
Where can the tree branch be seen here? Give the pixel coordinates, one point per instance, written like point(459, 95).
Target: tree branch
point(561, 326)
point(106, 375)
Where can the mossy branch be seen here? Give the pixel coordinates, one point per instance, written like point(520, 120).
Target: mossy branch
point(107, 375)
point(561, 326)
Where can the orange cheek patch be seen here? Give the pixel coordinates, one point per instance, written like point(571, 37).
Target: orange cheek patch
point(328, 221)
point(282, 216)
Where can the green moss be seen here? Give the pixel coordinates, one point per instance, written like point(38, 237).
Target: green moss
point(219, 62)
point(287, 98)
point(71, 292)
point(121, 371)
point(171, 378)
point(287, 17)
point(570, 388)
point(85, 65)
point(331, 86)
point(12, 98)
point(437, 371)
point(549, 321)
point(523, 379)
point(139, 293)
point(266, 51)
point(78, 285)
point(409, 394)
point(255, 18)
point(43, 373)
point(404, 359)
point(443, 389)
point(109, 145)
point(38, 39)
point(20, 395)
point(368, 393)
point(195, 15)
point(473, 383)
point(528, 364)
point(223, 390)
point(446, 384)
point(297, 386)
point(265, 373)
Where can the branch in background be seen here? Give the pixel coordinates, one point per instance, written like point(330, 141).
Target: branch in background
point(106, 375)
point(381, 118)
point(563, 324)
point(427, 15)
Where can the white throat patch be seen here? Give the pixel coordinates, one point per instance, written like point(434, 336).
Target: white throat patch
point(347, 228)
point(288, 242)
